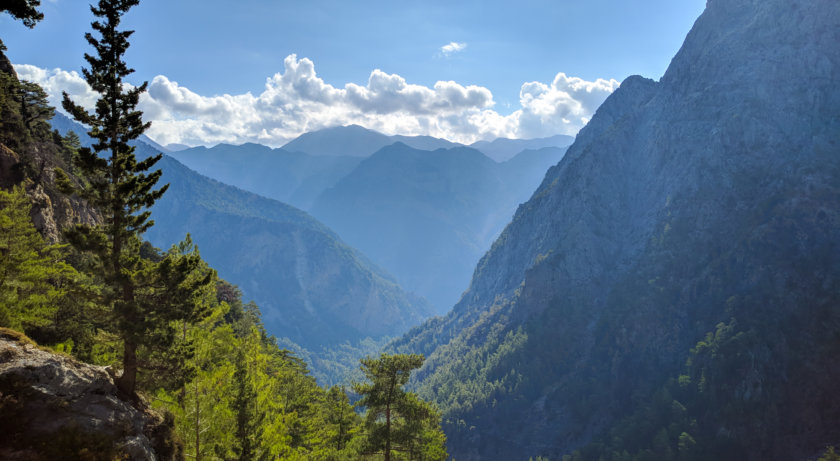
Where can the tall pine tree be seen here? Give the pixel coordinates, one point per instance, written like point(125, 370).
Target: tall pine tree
point(396, 420)
point(117, 184)
point(34, 107)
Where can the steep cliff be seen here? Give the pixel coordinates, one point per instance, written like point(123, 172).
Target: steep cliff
point(29, 156)
point(702, 203)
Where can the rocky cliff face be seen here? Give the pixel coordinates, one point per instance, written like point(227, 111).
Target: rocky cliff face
point(708, 196)
point(53, 407)
point(33, 165)
point(52, 210)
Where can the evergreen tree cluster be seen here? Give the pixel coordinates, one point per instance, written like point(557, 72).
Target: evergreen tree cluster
point(251, 400)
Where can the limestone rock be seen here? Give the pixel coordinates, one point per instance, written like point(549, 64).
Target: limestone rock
point(54, 407)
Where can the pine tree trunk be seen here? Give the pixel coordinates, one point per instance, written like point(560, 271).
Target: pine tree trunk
point(183, 394)
point(388, 433)
point(197, 422)
point(128, 381)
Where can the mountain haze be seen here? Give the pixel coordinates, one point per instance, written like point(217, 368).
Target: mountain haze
point(356, 141)
point(295, 178)
point(427, 216)
point(503, 149)
point(672, 288)
point(309, 285)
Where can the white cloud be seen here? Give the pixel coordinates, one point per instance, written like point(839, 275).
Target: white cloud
point(55, 81)
point(560, 107)
point(452, 47)
point(297, 100)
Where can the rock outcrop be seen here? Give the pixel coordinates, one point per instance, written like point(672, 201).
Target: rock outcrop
point(31, 161)
point(53, 407)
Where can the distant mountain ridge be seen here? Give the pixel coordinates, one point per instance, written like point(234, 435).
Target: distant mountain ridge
point(295, 178)
point(432, 240)
point(356, 141)
point(310, 286)
point(671, 291)
point(427, 216)
point(304, 168)
point(503, 149)
point(175, 147)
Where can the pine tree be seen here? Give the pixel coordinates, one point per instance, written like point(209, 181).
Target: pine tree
point(339, 418)
point(13, 132)
point(24, 10)
point(34, 107)
point(396, 420)
point(248, 418)
point(178, 292)
point(204, 419)
point(70, 145)
point(33, 275)
point(117, 184)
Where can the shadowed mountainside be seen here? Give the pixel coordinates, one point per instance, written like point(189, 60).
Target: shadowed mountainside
point(671, 290)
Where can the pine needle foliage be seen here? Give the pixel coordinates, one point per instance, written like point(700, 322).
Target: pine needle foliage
point(117, 183)
point(33, 275)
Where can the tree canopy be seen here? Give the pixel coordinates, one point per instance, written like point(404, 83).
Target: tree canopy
point(24, 10)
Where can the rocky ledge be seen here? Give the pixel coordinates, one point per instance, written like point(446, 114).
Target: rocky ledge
point(54, 407)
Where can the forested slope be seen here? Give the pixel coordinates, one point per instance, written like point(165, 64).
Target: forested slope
point(672, 289)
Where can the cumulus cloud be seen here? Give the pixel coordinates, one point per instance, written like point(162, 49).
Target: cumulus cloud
point(297, 100)
point(55, 81)
point(565, 105)
point(452, 47)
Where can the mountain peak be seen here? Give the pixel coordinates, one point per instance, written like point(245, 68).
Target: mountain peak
point(503, 149)
point(350, 140)
point(356, 141)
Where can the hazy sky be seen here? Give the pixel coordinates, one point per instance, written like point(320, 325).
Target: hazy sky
point(265, 70)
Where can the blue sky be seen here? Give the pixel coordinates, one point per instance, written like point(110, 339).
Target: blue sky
point(206, 56)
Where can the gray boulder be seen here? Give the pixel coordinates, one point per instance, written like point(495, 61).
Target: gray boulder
point(54, 407)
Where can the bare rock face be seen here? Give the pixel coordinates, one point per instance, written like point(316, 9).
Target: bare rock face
point(54, 407)
point(33, 166)
point(53, 211)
